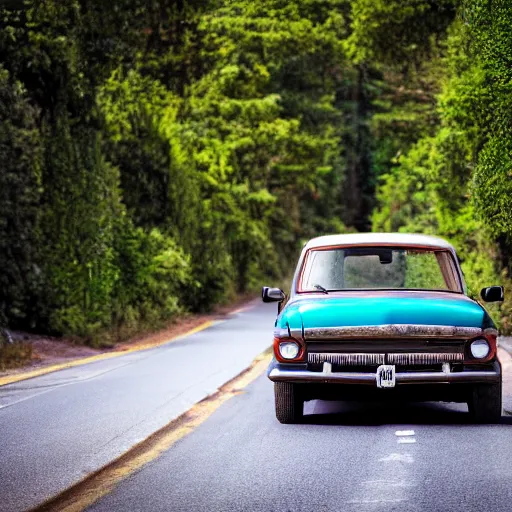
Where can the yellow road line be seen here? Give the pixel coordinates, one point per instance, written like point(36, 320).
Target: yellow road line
point(10, 379)
point(99, 484)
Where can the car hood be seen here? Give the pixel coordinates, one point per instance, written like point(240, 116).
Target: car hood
point(382, 308)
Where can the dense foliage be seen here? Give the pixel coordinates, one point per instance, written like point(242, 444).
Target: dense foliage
point(455, 178)
point(163, 155)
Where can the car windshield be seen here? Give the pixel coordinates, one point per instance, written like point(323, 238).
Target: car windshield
point(379, 268)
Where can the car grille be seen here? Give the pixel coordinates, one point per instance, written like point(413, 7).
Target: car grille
point(347, 359)
point(422, 358)
point(399, 359)
point(398, 346)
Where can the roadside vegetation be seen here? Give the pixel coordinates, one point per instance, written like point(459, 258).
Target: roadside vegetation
point(13, 354)
point(161, 156)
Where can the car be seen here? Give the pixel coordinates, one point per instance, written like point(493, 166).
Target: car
point(378, 316)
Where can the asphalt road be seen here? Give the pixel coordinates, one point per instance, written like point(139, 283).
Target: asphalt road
point(58, 428)
point(345, 457)
point(360, 458)
point(506, 343)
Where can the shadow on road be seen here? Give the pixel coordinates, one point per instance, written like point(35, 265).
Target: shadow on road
point(394, 413)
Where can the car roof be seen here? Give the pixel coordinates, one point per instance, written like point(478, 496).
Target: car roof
point(393, 239)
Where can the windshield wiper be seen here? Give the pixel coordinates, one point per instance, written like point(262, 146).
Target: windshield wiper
point(321, 288)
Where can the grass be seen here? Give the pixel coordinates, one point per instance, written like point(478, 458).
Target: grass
point(15, 355)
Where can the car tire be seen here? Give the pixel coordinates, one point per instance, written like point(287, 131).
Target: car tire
point(289, 402)
point(484, 403)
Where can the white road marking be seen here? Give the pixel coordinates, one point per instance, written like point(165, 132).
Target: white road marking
point(376, 492)
point(405, 436)
point(395, 489)
point(377, 501)
point(401, 433)
point(406, 440)
point(398, 457)
point(388, 483)
point(57, 385)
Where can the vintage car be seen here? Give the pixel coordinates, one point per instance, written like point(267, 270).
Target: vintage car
point(377, 316)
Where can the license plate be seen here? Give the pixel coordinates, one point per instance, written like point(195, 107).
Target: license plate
point(386, 376)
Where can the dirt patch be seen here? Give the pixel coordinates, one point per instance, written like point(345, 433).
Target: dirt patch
point(49, 351)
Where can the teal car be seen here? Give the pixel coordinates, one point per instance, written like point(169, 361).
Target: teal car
point(377, 316)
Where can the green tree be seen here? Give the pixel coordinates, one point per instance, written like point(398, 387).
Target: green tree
point(20, 191)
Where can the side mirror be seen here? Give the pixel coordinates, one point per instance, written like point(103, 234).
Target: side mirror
point(272, 294)
point(493, 294)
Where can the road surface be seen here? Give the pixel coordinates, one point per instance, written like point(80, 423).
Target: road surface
point(350, 458)
point(58, 428)
point(344, 457)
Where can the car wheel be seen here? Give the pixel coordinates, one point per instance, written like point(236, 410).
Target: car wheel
point(289, 402)
point(484, 403)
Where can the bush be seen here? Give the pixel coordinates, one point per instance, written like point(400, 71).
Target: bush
point(154, 275)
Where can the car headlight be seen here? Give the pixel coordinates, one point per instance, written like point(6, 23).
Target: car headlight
point(289, 349)
point(480, 349)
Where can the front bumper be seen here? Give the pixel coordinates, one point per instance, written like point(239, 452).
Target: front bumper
point(300, 374)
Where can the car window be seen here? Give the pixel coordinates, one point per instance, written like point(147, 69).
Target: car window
point(379, 268)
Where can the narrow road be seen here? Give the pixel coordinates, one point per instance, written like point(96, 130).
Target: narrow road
point(366, 457)
point(351, 458)
point(58, 428)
